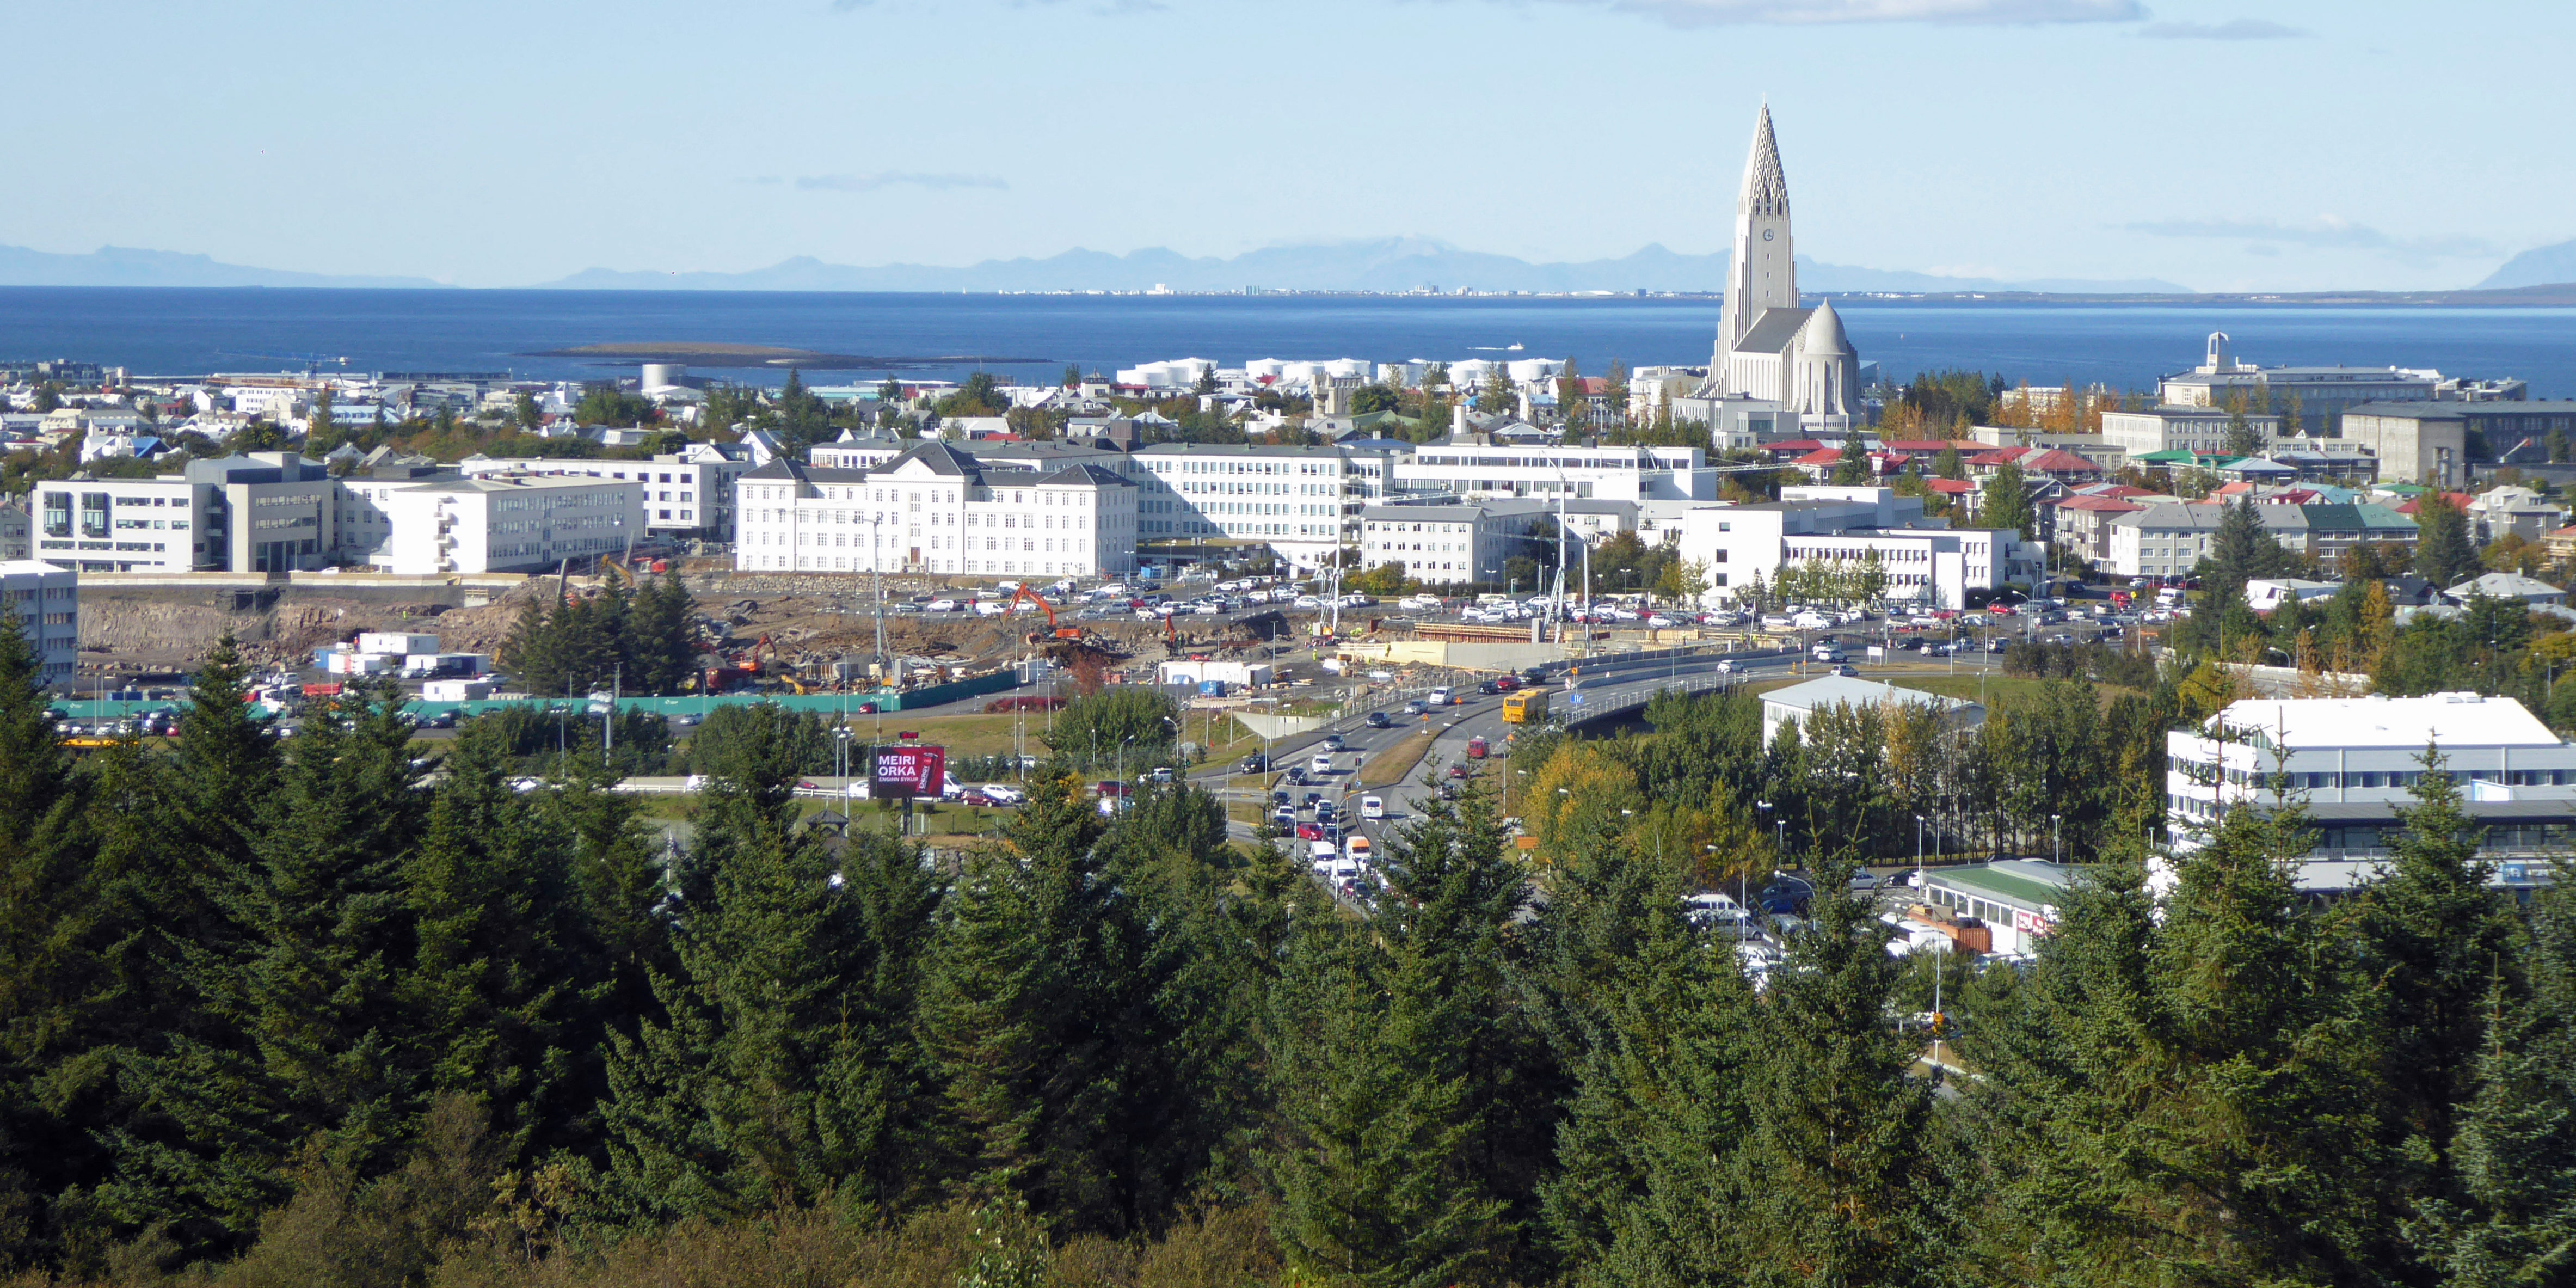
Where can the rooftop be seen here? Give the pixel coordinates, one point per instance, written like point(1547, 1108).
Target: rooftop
point(2439, 719)
point(2036, 882)
point(1844, 690)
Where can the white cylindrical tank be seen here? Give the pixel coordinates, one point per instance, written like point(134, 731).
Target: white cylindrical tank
point(662, 375)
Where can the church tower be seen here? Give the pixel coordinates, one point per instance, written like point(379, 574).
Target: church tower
point(1764, 273)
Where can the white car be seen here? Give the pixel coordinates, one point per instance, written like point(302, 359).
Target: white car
point(1661, 622)
point(1811, 621)
point(1726, 666)
point(1775, 621)
point(1372, 807)
point(1320, 765)
point(1440, 697)
point(1001, 794)
point(991, 608)
point(940, 606)
point(1308, 601)
point(1149, 615)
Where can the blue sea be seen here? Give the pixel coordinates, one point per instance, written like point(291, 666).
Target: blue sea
point(178, 332)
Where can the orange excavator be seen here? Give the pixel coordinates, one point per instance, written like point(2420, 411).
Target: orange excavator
point(1060, 631)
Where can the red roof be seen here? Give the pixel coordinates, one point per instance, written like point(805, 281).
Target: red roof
point(1921, 446)
point(2124, 491)
point(2057, 462)
point(1997, 457)
point(1795, 445)
point(1949, 487)
point(1820, 456)
point(2100, 504)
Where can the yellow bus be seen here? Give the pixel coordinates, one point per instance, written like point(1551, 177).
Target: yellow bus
point(1525, 706)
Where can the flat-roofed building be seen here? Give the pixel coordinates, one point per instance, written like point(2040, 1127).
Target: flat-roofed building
point(46, 600)
point(1927, 562)
point(1451, 545)
point(1801, 703)
point(509, 523)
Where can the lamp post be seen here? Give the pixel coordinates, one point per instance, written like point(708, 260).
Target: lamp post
point(1119, 802)
point(2055, 853)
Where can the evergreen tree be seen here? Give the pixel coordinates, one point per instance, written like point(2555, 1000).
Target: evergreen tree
point(782, 1071)
point(308, 1045)
point(1842, 1166)
point(2444, 555)
point(2004, 502)
point(492, 983)
point(2240, 551)
point(2513, 1217)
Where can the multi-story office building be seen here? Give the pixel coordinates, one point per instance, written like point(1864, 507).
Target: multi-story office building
point(1453, 544)
point(46, 600)
point(266, 512)
point(937, 509)
point(17, 529)
point(514, 523)
point(2352, 764)
point(2168, 540)
point(1926, 561)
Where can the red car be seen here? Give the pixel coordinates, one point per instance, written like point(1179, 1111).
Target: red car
point(1309, 832)
point(1507, 683)
point(1475, 749)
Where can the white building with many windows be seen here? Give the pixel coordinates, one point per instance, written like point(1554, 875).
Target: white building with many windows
point(1490, 472)
point(515, 523)
point(46, 600)
point(682, 494)
point(1448, 545)
point(936, 509)
point(1926, 562)
point(265, 512)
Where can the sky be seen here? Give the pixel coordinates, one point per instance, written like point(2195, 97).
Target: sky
point(2223, 144)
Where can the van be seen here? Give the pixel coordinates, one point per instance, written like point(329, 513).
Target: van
point(1360, 851)
point(1321, 853)
point(1372, 807)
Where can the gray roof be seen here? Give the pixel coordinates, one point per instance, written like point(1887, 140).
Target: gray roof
point(2507, 585)
point(1844, 690)
point(1236, 449)
point(1085, 473)
point(1773, 331)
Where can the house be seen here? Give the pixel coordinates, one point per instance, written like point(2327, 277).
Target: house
point(2516, 510)
point(2509, 585)
point(2263, 594)
point(2082, 526)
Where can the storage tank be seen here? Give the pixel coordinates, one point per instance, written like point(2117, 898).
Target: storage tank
point(661, 375)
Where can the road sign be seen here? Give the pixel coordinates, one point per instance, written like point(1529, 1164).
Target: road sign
point(1576, 699)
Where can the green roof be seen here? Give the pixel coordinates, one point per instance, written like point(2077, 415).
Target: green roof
point(2175, 457)
point(2404, 489)
point(1996, 883)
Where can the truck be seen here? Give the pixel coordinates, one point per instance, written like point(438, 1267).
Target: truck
point(1529, 706)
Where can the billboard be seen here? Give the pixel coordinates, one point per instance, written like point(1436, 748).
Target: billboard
point(909, 771)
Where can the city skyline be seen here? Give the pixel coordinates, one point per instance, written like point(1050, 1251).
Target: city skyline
point(2221, 147)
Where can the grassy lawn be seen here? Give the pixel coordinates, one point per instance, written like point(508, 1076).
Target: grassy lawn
point(1390, 766)
point(1998, 688)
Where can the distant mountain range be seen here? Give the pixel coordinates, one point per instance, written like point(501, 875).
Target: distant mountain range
point(122, 266)
point(2539, 266)
point(1389, 264)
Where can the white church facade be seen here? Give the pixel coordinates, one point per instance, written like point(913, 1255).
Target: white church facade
point(1775, 361)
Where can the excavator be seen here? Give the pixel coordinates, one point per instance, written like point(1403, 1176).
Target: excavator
point(1059, 630)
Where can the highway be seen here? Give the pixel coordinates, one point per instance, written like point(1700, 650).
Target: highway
point(1606, 686)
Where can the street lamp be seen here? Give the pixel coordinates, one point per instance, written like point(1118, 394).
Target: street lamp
point(2055, 853)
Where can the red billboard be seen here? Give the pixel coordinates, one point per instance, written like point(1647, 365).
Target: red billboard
point(909, 771)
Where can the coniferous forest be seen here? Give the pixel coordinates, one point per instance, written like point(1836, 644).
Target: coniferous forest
point(346, 1009)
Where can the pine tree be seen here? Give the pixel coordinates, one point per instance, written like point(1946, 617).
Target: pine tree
point(1368, 1177)
point(1027, 977)
point(531, 649)
point(306, 1042)
point(1841, 1164)
point(48, 964)
point(490, 987)
point(2004, 502)
point(2513, 1219)
point(2443, 553)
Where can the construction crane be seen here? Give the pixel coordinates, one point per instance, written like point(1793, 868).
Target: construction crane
point(1061, 632)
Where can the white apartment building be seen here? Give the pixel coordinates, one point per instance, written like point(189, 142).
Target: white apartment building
point(2164, 540)
point(46, 599)
point(936, 509)
point(265, 512)
point(856, 451)
point(513, 523)
point(1927, 562)
point(683, 494)
point(1300, 501)
point(1449, 544)
point(2179, 429)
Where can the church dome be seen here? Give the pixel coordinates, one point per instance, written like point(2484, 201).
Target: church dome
point(1825, 332)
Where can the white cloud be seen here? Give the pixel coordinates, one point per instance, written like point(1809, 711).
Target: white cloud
point(1713, 13)
point(2330, 232)
point(2232, 29)
point(896, 179)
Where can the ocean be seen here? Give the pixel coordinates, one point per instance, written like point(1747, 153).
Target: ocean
point(179, 332)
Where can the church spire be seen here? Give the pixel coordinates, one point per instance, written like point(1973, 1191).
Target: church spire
point(1766, 189)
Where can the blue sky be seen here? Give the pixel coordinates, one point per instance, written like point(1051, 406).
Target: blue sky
point(2227, 145)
